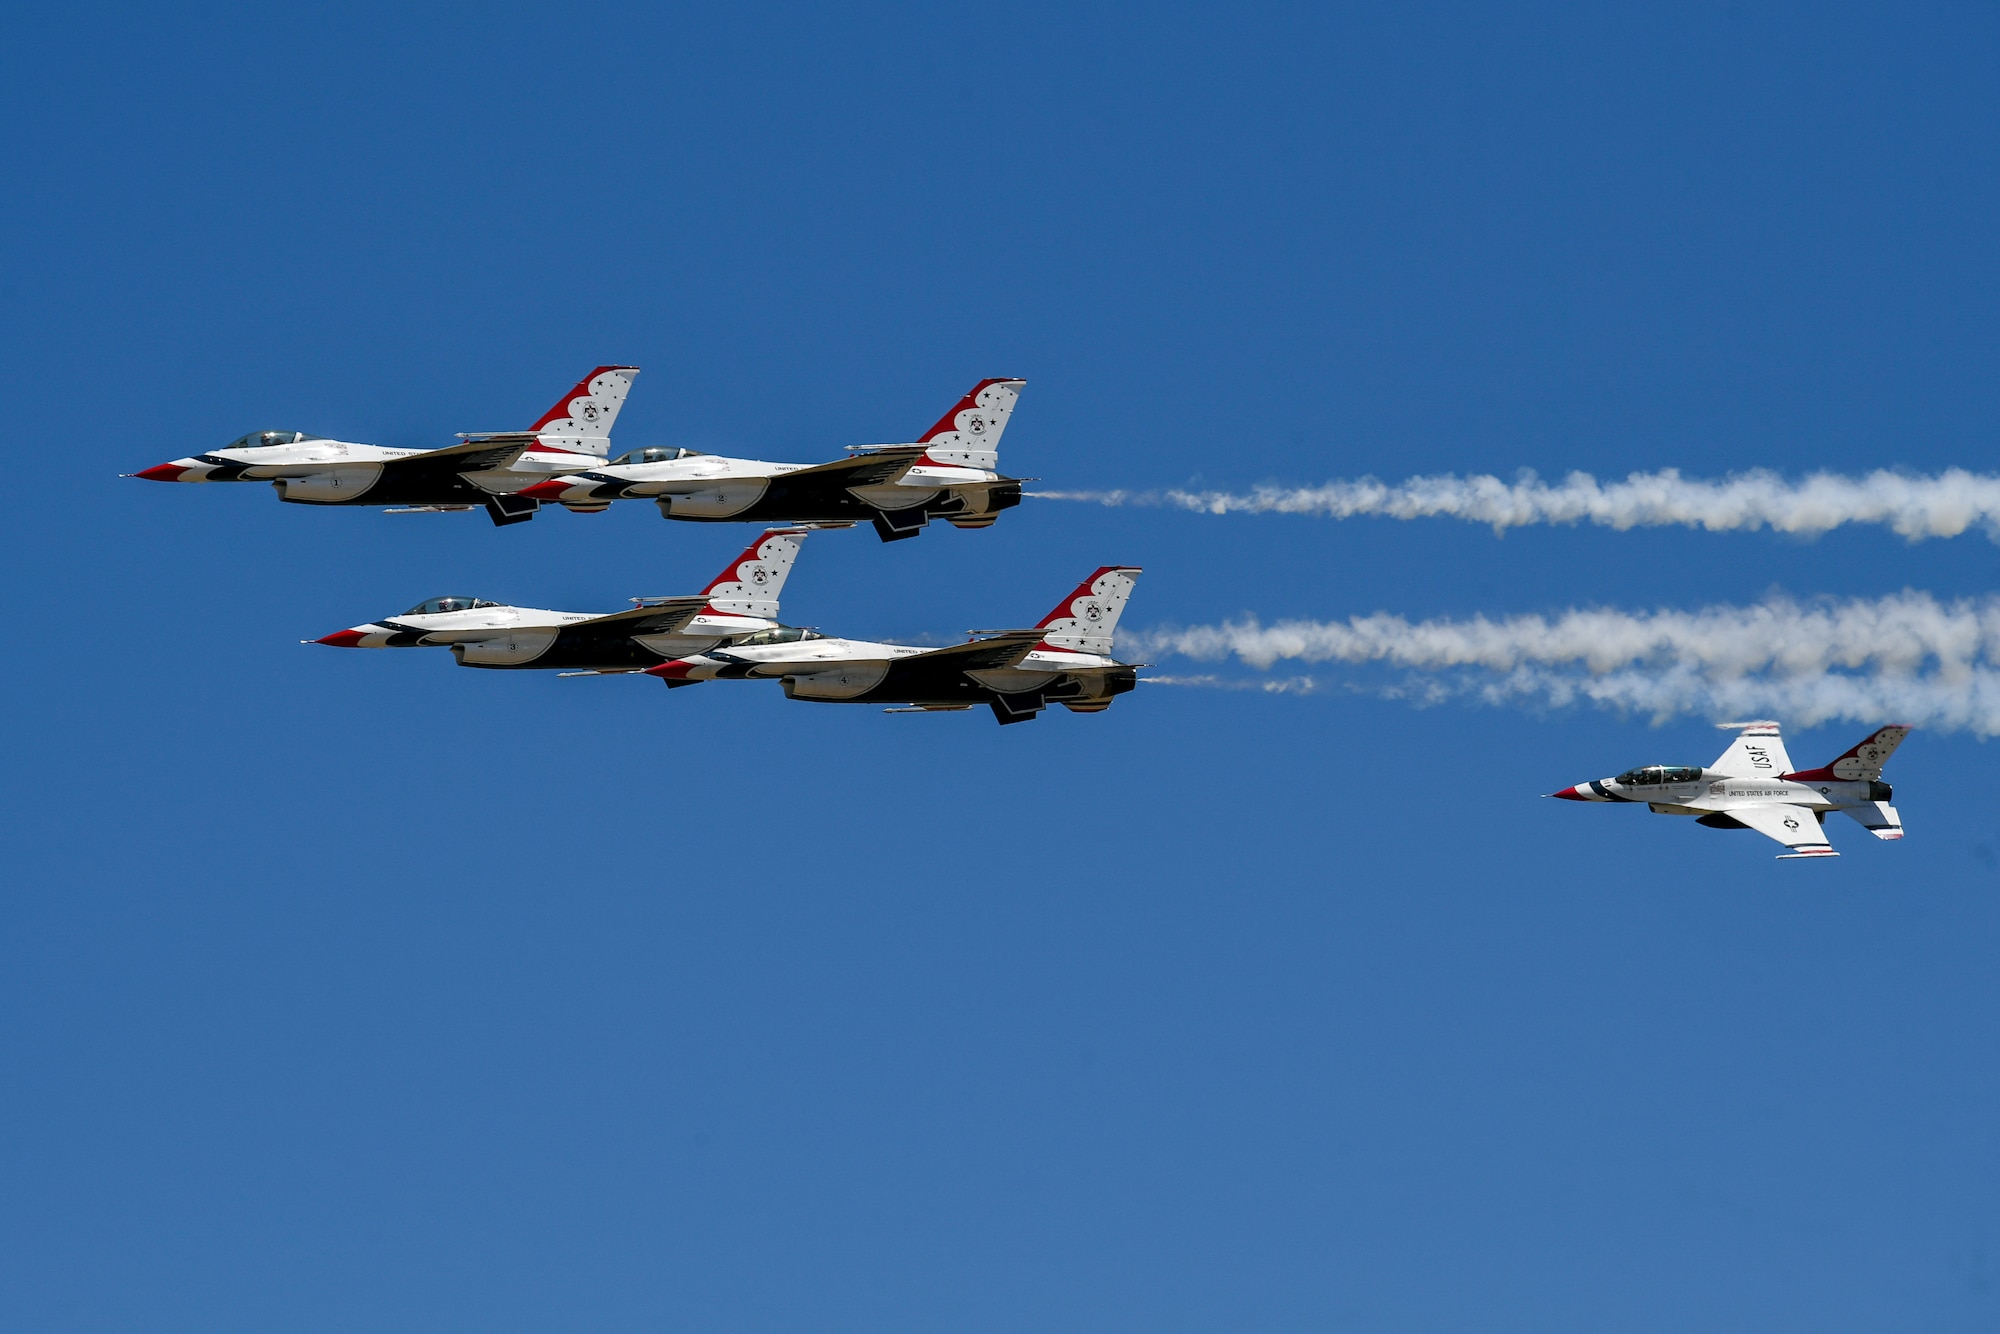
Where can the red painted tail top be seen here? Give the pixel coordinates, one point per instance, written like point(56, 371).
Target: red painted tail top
point(1084, 621)
point(581, 420)
point(969, 435)
point(751, 583)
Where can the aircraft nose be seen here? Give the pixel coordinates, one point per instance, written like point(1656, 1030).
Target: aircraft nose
point(1569, 794)
point(164, 472)
point(343, 639)
point(549, 490)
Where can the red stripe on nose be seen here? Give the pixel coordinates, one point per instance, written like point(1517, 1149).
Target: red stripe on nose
point(165, 472)
point(1570, 794)
point(550, 490)
point(672, 671)
point(341, 639)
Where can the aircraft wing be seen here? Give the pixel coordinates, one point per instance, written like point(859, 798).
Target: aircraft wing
point(1794, 826)
point(861, 470)
point(661, 618)
point(1757, 752)
point(880, 465)
point(482, 455)
point(1002, 650)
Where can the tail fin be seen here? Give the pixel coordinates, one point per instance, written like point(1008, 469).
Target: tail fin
point(1083, 622)
point(1757, 752)
point(969, 435)
point(580, 422)
point(1863, 763)
point(752, 582)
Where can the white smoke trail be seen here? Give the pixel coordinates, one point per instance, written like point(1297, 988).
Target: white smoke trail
point(1283, 685)
point(1914, 506)
point(1905, 658)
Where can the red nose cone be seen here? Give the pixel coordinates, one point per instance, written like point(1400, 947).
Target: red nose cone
point(1570, 794)
point(550, 490)
point(165, 472)
point(676, 670)
point(341, 639)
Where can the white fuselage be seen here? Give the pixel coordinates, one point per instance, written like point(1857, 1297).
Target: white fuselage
point(851, 669)
point(1739, 798)
point(715, 486)
point(503, 635)
point(337, 470)
point(1713, 793)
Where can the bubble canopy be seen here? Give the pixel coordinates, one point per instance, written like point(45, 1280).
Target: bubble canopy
point(654, 455)
point(1655, 775)
point(266, 439)
point(436, 606)
point(783, 634)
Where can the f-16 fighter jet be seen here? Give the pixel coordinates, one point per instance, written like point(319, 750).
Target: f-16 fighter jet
point(949, 472)
point(740, 601)
point(494, 469)
point(1753, 786)
point(1064, 660)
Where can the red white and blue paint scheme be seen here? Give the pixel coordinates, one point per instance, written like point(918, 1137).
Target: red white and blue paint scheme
point(739, 602)
point(1753, 786)
point(1065, 660)
point(491, 470)
point(951, 472)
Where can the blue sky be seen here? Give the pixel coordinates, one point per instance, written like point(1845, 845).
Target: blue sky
point(350, 990)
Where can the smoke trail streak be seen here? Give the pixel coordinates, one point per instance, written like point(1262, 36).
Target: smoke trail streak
point(1905, 658)
point(1916, 507)
point(1284, 685)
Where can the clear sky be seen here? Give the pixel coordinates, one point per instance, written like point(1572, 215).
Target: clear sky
point(346, 990)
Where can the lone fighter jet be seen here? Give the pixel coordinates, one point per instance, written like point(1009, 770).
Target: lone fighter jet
point(949, 472)
point(741, 600)
point(1753, 786)
point(492, 469)
point(1064, 660)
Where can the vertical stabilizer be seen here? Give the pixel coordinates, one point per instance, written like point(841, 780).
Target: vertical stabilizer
point(969, 435)
point(1863, 762)
point(751, 584)
point(1084, 621)
point(580, 422)
point(1757, 752)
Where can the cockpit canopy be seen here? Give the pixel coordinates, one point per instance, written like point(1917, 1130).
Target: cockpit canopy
point(1656, 775)
point(783, 634)
point(432, 606)
point(266, 439)
point(655, 455)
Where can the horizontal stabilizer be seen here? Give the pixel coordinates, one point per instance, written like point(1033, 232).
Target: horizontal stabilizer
point(1877, 817)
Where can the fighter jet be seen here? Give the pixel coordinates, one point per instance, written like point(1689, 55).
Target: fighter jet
point(493, 469)
point(740, 601)
point(949, 472)
point(1066, 659)
point(1753, 786)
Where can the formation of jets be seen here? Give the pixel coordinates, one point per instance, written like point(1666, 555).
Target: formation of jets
point(730, 630)
point(950, 472)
